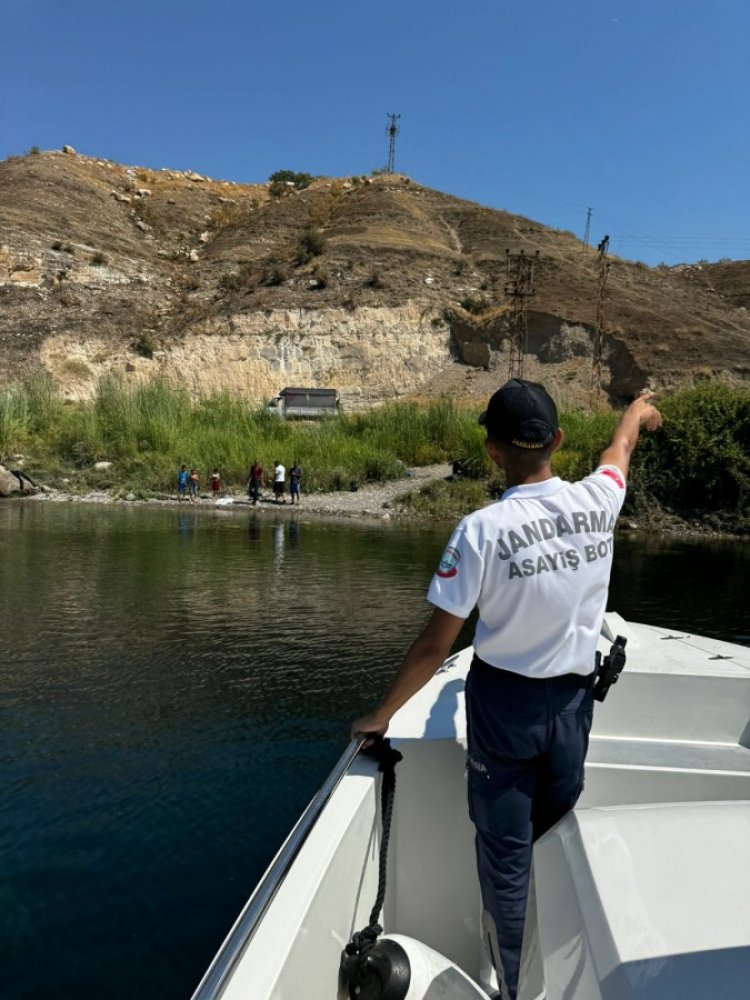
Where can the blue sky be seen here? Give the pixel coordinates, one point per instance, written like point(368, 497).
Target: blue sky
point(636, 108)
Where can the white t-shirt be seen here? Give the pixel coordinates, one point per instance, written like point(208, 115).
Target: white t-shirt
point(537, 564)
point(279, 474)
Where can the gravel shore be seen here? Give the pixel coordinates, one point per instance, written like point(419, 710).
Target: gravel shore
point(367, 501)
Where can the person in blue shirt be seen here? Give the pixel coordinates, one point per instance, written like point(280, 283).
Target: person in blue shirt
point(183, 476)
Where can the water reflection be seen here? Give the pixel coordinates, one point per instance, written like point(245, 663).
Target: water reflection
point(278, 545)
point(294, 532)
point(186, 524)
point(683, 583)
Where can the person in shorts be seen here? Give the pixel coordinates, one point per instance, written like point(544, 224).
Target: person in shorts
point(279, 481)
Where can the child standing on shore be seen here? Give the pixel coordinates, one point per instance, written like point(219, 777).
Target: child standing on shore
point(182, 482)
point(193, 481)
point(215, 480)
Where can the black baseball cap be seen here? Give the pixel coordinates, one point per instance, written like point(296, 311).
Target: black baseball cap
point(521, 413)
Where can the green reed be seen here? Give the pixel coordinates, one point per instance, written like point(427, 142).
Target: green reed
point(698, 465)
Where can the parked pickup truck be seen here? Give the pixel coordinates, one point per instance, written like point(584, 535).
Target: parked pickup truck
point(305, 403)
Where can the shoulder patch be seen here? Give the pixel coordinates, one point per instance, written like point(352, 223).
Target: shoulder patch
point(615, 475)
point(449, 563)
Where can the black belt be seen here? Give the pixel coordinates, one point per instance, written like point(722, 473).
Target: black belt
point(559, 680)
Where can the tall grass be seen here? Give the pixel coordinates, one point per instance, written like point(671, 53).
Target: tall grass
point(14, 419)
point(697, 465)
point(148, 431)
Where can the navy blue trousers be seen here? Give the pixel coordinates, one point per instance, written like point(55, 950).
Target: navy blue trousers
point(527, 746)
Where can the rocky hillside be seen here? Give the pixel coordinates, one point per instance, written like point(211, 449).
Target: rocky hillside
point(376, 285)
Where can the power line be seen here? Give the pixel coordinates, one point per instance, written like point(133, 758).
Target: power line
point(624, 236)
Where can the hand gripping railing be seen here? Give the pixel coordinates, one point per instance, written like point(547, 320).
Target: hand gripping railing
point(226, 959)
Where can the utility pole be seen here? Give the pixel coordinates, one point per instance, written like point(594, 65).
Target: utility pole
point(392, 130)
point(596, 362)
point(588, 229)
point(519, 288)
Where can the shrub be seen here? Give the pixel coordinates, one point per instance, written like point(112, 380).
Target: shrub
point(77, 368)
point(299, 180)
point(283, 181)
point(145, 345)
point(99, 259)
point(230, 282)
point(700, 459)
point(475, 305)
point(273, 274)
point(320, 277)
point(145, 212)
point(226, 215)
point(311, 244)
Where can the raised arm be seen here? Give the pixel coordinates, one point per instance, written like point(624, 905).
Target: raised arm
point(639, 414)
point(425, 655)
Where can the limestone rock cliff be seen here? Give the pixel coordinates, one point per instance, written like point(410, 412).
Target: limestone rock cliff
point(377, 286)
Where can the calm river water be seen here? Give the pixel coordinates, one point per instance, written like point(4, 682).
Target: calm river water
point(174, 685)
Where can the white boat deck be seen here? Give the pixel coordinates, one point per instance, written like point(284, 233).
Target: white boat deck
point(648, 901)
point(640, 700)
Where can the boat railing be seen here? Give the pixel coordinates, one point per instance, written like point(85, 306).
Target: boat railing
point(223, 965)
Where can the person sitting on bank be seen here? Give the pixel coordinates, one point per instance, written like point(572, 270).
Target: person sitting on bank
point(537, 565)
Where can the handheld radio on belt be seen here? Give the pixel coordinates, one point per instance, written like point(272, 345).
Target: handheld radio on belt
point(609, 669)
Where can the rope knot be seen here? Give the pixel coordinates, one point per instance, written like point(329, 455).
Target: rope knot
point(362, 941)
point(382, 751)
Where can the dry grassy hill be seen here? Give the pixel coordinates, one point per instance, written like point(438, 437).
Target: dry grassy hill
point(362, 283)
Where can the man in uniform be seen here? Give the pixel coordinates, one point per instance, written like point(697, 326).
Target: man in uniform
point(537, 565)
